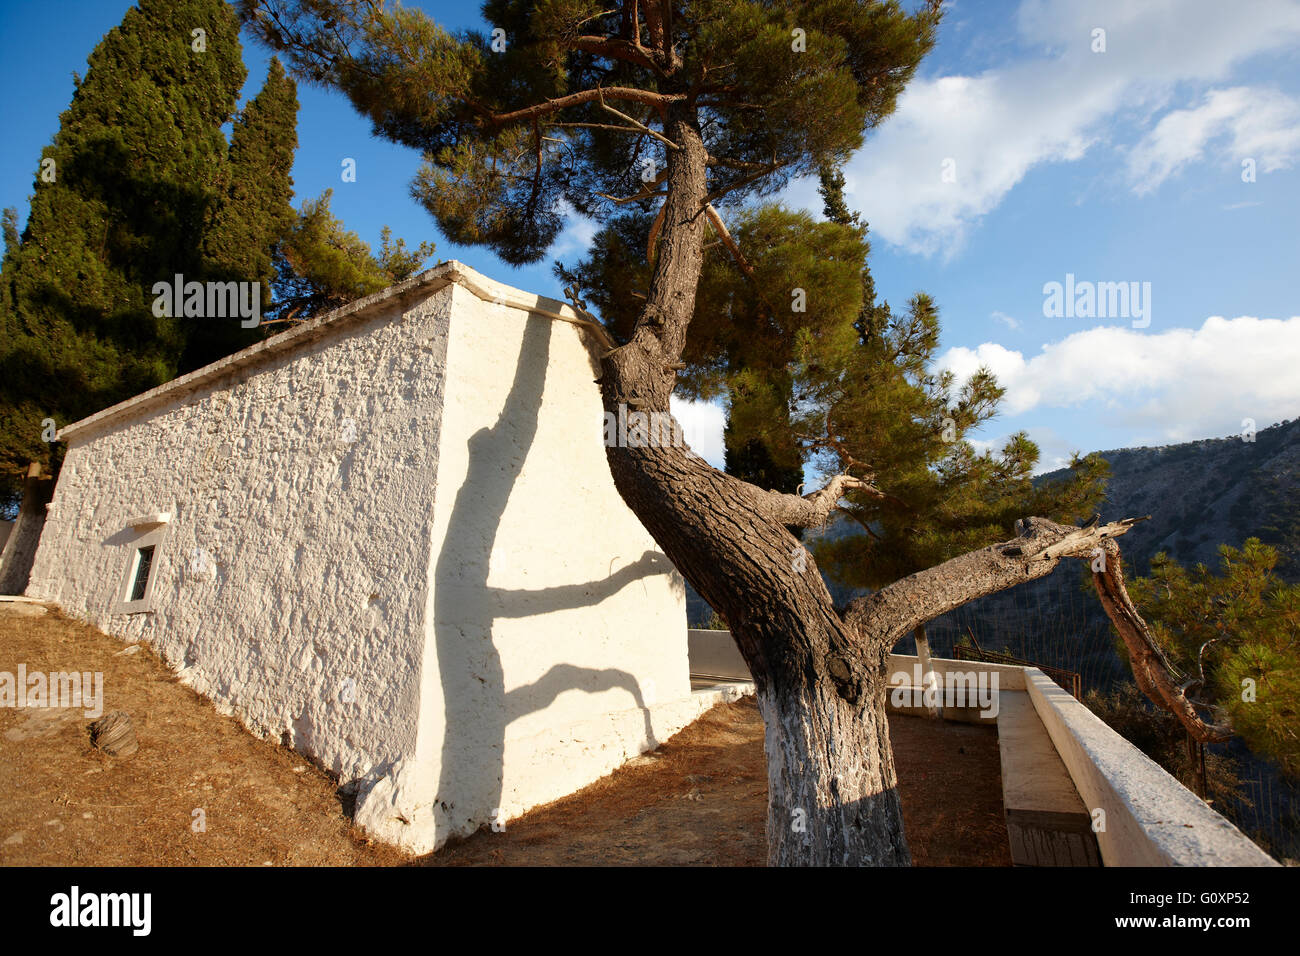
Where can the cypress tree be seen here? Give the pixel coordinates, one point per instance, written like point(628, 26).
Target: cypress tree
point(122, 196)
point(255, 213)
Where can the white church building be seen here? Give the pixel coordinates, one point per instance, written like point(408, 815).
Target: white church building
point(389, 538)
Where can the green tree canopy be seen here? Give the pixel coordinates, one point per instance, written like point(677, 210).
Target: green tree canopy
point(121, 199)
point(875, 402)
point(814, 370)
point(1236, 636)
point(320, 265)
point(780, 284)
point(549, 112)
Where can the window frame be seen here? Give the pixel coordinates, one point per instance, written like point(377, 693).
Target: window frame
point(147, 537)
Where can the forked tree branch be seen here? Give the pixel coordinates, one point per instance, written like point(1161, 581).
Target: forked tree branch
point(733, 247)
point(616, 49)
point(658, 16)
point(653, 240)
point(648, 191)
point(885, 616)
point(598, 94)
point(638, 125)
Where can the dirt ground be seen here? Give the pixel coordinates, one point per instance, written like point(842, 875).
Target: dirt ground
point(698, 800)
point(701, 800)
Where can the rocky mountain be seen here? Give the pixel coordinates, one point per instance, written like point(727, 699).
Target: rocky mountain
point(1199, 495)
point(1205, 493)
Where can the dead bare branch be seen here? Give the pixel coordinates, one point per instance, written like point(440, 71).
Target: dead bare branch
point(813, 509)
point(888, 614)
point(734, 248)
point(1150, 669)
point(638, 125)
point(894, 611)
point(546, 107)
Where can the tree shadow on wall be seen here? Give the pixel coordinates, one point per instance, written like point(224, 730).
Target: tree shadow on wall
point(477, 708)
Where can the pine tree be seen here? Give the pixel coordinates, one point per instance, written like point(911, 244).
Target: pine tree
point(686, 110)
point(321, 265)
point(934, 496)
point(121, 199)
point(839, 365)
point(795, 283)
point(752, 458)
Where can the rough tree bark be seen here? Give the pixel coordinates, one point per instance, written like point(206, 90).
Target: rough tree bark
point(832, 796)
point(820, 678)
point(1150, 669)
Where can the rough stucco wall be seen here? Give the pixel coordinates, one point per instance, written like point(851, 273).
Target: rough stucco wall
point(558, 646)
point(318, 527)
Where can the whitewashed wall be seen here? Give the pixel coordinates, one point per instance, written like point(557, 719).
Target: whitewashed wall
point(558, 646)
point(309, 480)
point(424, 576)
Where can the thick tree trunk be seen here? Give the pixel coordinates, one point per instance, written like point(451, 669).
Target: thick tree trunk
point(832, 797)
point(820, 676)
point(832, 793)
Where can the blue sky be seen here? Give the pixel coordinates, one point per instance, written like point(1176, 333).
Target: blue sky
point(1020, 154)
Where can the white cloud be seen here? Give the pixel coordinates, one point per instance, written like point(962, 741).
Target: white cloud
point(1176, 385)
point(702, 424)
point(575, 237)
point(1006, 320)
point(1259, 124)
point(1053, 451)
point(998, 125)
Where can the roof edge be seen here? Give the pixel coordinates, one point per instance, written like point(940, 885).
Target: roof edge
point(431, 280)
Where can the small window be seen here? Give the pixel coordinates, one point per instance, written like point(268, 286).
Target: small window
point(143, 562)
point(141, 565)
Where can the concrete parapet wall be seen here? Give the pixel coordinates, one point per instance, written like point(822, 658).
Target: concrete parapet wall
point(1150, 818)
point(714, 654)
